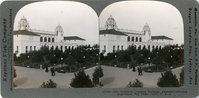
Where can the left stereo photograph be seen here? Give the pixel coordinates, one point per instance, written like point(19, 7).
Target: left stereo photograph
point(56, 46)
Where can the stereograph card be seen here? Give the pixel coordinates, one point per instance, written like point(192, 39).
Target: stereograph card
point(99, 48)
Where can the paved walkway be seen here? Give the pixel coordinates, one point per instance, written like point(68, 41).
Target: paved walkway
point(113, 77)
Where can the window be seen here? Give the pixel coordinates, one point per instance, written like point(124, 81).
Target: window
point(72, 47)
point(118, 48)
point(104, 48)
point(61, 48)
point(140, 39)
point(17, 50)
point(52, 39)
point(41, 39)
point(128, 39)
point(26, 49)
point(133, 39)
point(149, 47)
point(34, 47)
point(113, 48)
point(136, 39)
point(122, 47)
point(65, 47)
point(153, 47)
point(45, 39)
point(49, 39)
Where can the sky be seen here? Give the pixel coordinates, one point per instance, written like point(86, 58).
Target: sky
point(162, 18)
point(76, 19)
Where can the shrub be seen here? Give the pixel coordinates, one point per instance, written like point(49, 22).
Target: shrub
point(98, 73)
point(81, 80)
point(136, 83)
point(168, 79)
point(49, 84)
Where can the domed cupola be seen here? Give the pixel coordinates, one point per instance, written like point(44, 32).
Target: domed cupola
point(146, 28)
point(23, 24)
point(59, 29)
point(111, 23)
point(147, 32)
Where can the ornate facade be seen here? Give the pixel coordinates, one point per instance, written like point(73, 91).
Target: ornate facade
point(27, 39)
point(113, 39)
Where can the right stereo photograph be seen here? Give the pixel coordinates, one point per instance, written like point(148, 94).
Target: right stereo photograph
point(141, 45)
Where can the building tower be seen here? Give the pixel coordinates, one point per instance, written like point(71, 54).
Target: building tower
point(23, 24)
point(59, 32)
point(147, 32)
point(110, 23)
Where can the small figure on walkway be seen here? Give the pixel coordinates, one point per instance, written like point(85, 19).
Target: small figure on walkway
point(46, 69)
point(139, 71)
point(128, 66)
point(133, 69)
point(53, 71)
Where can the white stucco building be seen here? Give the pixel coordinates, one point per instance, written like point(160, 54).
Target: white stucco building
point(27, 39)
point(113, 39)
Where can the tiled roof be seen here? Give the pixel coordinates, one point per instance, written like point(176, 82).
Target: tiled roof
point(160, 37)
point(73, 38)
point(25, 32)
point(112, 31)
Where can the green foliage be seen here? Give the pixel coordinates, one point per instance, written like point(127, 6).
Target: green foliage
point(151, 55)
point(98, 73)
point(182, 77)
point(140, 60)
point(23, 57)
point(101, 56)
point(44, 50)
point(168, 79)
point(136, 83)
point(124, 58)
point(53, 60)
point(49, 84)
point(131, 50)
point(70, 61)
point(37, 58)
point(111, 56)
point(49, 55)
point(157, 60)
point(81, 80)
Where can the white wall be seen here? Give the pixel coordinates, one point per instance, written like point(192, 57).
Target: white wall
point(25, 40)
point(112, 40)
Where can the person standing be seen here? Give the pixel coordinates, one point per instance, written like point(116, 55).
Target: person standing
point(51, 70)
point(46, 68)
